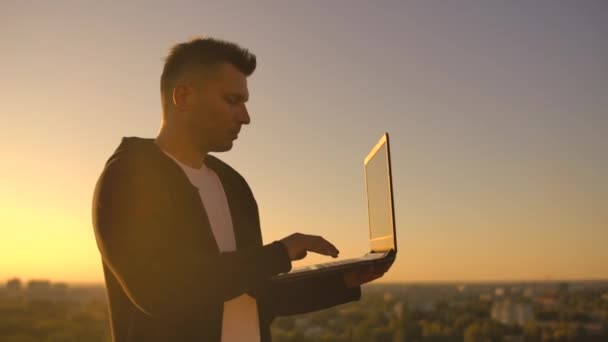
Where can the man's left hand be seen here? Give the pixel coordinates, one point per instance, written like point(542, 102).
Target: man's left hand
point(360, 276)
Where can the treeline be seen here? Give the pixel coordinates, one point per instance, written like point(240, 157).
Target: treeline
point(378, 317)
point(383, 314)
point(44, 320)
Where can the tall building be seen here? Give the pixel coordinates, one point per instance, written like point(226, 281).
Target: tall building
point(510, 313)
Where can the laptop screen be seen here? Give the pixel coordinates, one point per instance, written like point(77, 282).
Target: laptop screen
point(379, 196)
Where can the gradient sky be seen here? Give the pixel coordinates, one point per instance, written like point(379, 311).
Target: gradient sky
point(497, 113)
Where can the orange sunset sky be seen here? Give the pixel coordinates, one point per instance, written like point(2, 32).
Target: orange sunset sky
point(497, 114)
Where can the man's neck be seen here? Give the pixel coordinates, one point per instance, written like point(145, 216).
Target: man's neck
point(181, 149)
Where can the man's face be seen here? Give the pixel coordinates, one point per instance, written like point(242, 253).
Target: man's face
point(216, 107)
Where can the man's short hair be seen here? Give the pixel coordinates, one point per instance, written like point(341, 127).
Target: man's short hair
point(202, 51)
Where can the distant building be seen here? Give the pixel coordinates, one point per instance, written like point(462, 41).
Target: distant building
point(34, 285)
point(485, 297)
point(528, 292)
point(13, 286)
point(499, 291)
point(552, 289)
point(510, 313)
point(39, 288)
point(514, 290)
point(398, 309)
point(548, 302)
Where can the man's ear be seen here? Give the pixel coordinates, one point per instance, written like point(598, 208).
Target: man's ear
point(182, 95)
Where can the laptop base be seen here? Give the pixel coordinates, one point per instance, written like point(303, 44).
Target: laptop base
point(337, 266)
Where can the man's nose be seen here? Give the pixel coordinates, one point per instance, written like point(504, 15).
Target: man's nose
point(244, 116)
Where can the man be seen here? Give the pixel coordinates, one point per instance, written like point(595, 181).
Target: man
point(178, 230)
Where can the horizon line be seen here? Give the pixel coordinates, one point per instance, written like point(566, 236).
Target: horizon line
point(406, 282)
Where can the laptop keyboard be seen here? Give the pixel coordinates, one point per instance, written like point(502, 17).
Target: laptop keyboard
point(370, 256)
point(323, 265)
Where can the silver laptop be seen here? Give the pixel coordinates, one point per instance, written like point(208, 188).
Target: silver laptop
point(381, 218)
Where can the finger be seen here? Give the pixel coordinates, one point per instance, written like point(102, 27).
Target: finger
point(302, 255)
point(322, 246)
point(329, 247)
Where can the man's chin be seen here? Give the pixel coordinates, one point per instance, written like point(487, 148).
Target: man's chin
point(227, 146)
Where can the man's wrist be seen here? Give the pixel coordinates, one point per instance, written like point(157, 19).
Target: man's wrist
point(285, 253)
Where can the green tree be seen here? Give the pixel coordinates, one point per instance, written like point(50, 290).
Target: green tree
point(473, 333)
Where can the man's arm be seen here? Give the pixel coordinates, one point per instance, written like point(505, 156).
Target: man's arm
point(312, 294)
point(304, 295)
point(159, 267)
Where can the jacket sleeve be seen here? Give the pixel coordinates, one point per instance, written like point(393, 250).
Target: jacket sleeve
point(159, 268)
point(304, 295)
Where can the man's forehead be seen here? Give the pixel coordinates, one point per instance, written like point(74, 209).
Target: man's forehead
point(224, 72)
point(227, 77)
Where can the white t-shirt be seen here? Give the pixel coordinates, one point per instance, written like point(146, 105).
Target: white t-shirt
point(240, 322)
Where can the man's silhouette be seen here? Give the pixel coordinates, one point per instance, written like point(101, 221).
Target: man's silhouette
point(178, 230)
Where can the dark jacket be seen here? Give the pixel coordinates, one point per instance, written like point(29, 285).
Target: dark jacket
point(166, 279)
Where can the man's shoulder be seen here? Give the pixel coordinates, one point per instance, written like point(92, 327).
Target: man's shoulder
point(134, 157)
point(135, 149)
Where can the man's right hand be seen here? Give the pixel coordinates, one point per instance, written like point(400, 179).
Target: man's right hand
point(298, 245)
